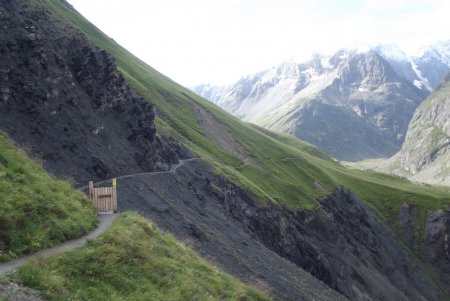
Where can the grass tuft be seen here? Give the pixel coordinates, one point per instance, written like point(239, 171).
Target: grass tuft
point(36, 211)
point(133, 260)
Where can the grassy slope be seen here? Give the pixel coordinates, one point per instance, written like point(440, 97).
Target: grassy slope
point(133, 260)
point(36, 211)
point(286, 167)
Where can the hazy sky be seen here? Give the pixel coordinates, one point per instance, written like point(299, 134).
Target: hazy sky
point(218, 41)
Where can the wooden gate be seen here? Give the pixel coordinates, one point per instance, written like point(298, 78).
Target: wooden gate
point(104, 198)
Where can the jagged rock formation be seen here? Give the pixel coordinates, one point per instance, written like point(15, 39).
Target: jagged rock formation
point(436, 244)
point(354, 105)
point(64, 100)
point(343, 243)
point(425, 154)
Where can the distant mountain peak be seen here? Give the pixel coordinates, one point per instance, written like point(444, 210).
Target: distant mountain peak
point(376, 90)
point(391, 51)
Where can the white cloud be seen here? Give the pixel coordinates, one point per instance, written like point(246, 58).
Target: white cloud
point(219, 41)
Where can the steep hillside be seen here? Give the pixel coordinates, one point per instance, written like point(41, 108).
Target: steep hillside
point(65, 100)
point(343, 242)
point(36, 210)
point(263, 206)
point(138, 262)
point(353, 105)
point(425, 155)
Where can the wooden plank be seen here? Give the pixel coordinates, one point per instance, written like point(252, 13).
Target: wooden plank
point(114, 197)
point(109, 190)
point(103, 200)
point(95, 197)
point(108, 199)
point(100, 200)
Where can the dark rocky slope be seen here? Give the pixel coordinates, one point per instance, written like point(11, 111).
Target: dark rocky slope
point(342, 243)
point(436, 245)
point(64, 100)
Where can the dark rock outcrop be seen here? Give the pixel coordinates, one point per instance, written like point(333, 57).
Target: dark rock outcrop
point(64, 99)
point(408, 222)
point(436, 244)
point(346, 245)
point(342, 243)
point(202, 210)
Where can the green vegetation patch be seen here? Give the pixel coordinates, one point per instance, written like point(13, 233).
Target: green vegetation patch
point(133, 260)
point(279, 168)
point(437, 137)
point(36, 211)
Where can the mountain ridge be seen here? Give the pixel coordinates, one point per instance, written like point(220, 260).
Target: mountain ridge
point(376, 91)
point(251, 186)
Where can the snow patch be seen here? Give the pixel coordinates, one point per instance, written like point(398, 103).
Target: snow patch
point(361, 89)
point(423, 81)
point(358, 111)
point(391, 52)
point(418, 84)
point(325, 62)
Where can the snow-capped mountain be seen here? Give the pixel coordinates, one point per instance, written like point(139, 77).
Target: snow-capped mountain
point(353, 104)
point(433, 63)
point(404, 65)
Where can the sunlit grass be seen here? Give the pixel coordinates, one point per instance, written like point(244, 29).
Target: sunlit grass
point(36, 210)
point(133, 261)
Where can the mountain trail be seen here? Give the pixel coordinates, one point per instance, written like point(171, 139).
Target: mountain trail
point(173, 169)
point(105, 221)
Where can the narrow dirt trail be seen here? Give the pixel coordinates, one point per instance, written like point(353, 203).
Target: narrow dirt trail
point(105, 221)
point(173, 169)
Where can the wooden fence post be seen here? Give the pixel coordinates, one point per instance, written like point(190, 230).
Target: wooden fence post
point(91, 190)
point(114, 195)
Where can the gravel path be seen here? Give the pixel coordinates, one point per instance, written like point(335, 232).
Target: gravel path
point(173, 169)
point(105, 221)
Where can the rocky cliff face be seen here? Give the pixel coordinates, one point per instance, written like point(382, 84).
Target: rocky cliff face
point(342, 243)
point(354, 105)
point(425, 154)
point(345, 245)
point(64, 100)
point(436, 250)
